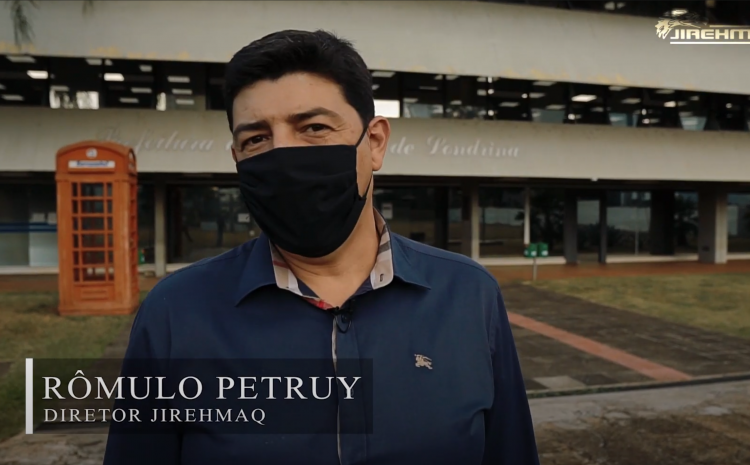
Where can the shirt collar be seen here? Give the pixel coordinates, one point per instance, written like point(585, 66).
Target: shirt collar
point(265, 266)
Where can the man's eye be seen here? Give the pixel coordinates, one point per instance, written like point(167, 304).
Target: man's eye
point(256, 140)
point(316, 128)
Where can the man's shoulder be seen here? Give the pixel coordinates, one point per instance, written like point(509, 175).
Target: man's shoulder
point(435, 262)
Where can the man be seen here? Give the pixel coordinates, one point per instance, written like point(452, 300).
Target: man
point(328, 280)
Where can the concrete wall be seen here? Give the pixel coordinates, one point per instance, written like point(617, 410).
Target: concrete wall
point(198, 142)
point(468, 38)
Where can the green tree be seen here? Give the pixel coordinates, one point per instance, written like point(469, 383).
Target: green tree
point(23, 33)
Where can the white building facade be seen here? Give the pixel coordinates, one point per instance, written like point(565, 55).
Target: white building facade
point(511, 124)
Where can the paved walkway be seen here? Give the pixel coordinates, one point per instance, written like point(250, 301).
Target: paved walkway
point(707, 425)
point(568, 343)
point(594, 344)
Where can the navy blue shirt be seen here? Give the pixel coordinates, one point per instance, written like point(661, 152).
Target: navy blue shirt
point(468, 407)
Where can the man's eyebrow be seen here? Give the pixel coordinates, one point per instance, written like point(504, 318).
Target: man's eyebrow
point(312, 113)
point(254, 126)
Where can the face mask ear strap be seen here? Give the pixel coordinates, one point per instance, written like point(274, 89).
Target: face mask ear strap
point(357, 145)
point(364, 196)
point(362, 136)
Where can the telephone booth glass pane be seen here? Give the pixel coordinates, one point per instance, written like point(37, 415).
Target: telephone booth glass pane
point(92, 189)
point(93, 258)
point(93, 240)
point(92, 224)
point(94, 274)
point(92, 206)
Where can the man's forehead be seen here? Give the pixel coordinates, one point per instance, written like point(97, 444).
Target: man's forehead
point(295, 86)
point(290, 95)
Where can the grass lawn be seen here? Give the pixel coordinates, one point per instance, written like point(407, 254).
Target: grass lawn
point(718, 302)
point(30, 327)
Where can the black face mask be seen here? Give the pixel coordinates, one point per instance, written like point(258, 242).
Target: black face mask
point(306, 199)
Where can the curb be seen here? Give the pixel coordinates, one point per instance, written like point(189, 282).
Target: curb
point(623, 387)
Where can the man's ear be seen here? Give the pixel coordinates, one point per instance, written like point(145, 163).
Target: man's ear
point(379, 134)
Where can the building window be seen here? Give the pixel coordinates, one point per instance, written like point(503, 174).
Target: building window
point(661, 109)
point(14, 228)
point(624, 105)
point(501, 222)
point(387, 94)
point(548, 101)
point(686, 223)
point(75, 83)
point(588, 226)
point(508, 99)
point(738, 219)
point(205, 221)
point(127, 83)
point(423, 95)
point(455, 222)
point(547, 213)
point(727, 113)
point(215, 92)
point(628, 222)
point(182, 86)
point(25, 80)
point(466, 97)
point(146, 231)
point(28, 225)
point(409, 211)
point(587, 105)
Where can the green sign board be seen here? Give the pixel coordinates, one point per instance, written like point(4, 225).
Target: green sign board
point(536, 249)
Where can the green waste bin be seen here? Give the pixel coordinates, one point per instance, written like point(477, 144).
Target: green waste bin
point(531, 251)
point(141, 256)
point(543, 249)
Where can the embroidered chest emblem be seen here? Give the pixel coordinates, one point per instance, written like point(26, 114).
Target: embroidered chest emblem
point(422, 361)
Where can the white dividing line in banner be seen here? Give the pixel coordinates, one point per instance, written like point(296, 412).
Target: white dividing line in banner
point(29, 396)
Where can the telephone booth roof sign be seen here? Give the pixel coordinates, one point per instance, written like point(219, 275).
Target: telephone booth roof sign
point(96, 157)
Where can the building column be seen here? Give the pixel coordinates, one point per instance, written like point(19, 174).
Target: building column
point(570, 227)
point(603, 227)
point(442, 206)
point(526, 216)
point(661, 227)
point(712, 225)
point(470, 219)
point(160, 228)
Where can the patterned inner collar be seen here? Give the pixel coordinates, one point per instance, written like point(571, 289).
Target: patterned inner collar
point(380, 276)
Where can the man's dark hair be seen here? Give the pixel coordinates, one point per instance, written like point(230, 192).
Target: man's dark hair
point(320, 53)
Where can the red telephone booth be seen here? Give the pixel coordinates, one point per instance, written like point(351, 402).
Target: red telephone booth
point(97, 185)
